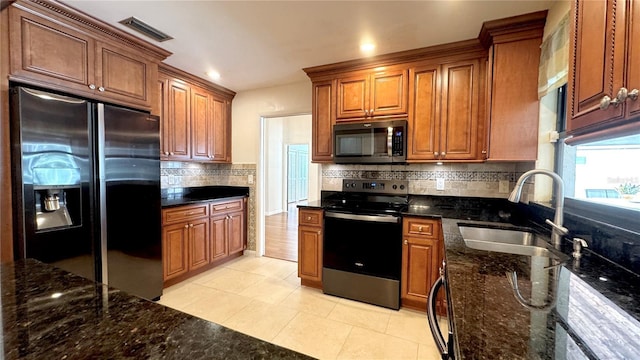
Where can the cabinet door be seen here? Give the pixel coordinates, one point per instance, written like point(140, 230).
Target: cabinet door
point(419, 270)
point(219, 249)
point(51, 53)
point(388, 93)
point(178, 121)
point(322, 120)
point(161, 110)
point(459, 117)
point(424, 123)
point(198, 243)
point(353, 96)
point(174, 250)
point(596, 62)
point(310, 253)
point(200, 124)
point(123, 76)
point(633, 57)
point(514, 114)
point(220, 138)
point(236, 234)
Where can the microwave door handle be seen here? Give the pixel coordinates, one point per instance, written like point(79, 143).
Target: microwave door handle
point(390, 141)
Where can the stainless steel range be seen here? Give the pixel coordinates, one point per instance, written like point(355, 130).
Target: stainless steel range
point(363, 241)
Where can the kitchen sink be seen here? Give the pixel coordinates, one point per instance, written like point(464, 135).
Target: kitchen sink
point(520, 242)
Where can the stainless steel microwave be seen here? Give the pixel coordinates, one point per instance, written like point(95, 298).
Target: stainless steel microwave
point(376, 142)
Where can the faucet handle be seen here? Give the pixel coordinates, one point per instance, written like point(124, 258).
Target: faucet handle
point(561, 229)
point(580, 241)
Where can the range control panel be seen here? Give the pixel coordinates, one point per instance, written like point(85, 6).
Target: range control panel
point(392, 187)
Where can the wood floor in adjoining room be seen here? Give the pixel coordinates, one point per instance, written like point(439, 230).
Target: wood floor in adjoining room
point(281, 234)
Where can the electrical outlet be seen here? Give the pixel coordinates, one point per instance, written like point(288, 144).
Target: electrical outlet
point(171, 180)
point(503, 186)
point(440, 184)
point(250, 179)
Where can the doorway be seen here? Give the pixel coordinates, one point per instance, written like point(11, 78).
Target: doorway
point(290, 179)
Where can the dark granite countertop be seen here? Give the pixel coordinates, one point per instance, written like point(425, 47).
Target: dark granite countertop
point(193, 195)
point(316, 205)
point(587, 308)
point(48, 313)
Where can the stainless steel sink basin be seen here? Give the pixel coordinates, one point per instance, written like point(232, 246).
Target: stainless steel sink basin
point(518, 242)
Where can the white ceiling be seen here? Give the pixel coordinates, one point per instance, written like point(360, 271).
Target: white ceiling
point(257, 44)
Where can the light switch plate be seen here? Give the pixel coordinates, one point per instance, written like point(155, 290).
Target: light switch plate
point(440, 184)
point(503, 186)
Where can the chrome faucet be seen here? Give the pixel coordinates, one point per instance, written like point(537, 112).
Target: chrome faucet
point(557, 230)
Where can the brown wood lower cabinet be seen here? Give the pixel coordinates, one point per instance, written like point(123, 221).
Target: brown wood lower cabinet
point(198, 237)
point(310, 247)
point(421, 258)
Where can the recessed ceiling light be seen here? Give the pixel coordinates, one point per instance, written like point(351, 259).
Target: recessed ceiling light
point(213, 75)
point(367, 47)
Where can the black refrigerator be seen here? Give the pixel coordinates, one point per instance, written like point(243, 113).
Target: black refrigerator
point(86, 189)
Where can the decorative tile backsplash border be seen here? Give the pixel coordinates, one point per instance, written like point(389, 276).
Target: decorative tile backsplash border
point(176, 174)
point(476, 180)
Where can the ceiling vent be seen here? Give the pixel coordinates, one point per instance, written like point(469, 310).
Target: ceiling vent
point(145, 29)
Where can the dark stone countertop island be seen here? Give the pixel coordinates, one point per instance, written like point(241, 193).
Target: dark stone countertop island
point(48, 313)
point(573, 309)
point(194, 195)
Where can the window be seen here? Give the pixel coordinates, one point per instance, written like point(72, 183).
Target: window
point(602, 178)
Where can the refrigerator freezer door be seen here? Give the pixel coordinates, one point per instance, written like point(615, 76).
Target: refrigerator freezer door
point(131, 200)
point(51, 159)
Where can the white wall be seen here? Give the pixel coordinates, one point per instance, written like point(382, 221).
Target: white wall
point(250, 106)
point(274, 167)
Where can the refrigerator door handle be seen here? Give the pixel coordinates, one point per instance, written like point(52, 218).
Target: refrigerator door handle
point(102, 195)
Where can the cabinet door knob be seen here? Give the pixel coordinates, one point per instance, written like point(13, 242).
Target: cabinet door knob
point(443, 154)
point(366, 113)
point(406, 242)
point(633, 94)
point(101, 89)
point(620, 97)
point(370, 112)
point(484, 151)
point(186, 226)
point(171, 153)
point(166, 153)
point(92, 86)
point(436, 153)
point(318, 232)
point(190, 225)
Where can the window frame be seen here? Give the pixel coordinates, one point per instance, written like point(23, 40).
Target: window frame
point(626, 219)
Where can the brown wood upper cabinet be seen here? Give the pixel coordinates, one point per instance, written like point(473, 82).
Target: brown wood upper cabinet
point(444, 112)
point(514, 59)
point(604, 75)
point(322, 120)
point(195, 118)
point(369, 94)
point(59, 48)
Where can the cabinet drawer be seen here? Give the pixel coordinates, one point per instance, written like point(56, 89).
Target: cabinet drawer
point(310, 217)
point(421, 227)
point(182, 213)
point(227, 206)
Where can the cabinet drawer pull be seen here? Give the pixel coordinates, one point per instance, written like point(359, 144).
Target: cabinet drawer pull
point(420, 228)
point(308, 218)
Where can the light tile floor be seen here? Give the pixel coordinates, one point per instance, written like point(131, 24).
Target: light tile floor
point(262, 297)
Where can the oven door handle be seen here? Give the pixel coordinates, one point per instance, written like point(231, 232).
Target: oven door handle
point(371, 218)
point(433, 322)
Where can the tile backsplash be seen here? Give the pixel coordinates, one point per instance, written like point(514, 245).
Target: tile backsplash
point(475, 180)
point(176, 174)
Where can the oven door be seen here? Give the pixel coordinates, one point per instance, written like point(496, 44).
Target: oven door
point(363, 244)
